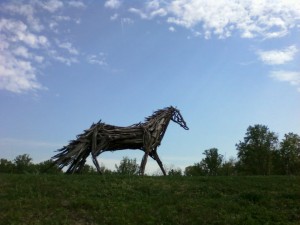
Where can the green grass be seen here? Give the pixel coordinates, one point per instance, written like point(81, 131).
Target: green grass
point(95, 199)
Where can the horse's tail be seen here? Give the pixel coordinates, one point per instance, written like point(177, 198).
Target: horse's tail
point(74, 155)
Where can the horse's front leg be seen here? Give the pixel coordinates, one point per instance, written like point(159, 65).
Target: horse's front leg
point(155, 155)
point(95, 161)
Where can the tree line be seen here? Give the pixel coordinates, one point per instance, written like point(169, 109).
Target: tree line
point(260, 153)
point(23, 164)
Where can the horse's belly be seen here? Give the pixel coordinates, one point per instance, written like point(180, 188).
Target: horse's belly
point(119, 144)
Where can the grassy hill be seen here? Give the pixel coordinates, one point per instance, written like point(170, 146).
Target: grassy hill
point(95, 199)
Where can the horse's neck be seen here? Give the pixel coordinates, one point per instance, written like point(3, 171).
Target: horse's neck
point(160, 123)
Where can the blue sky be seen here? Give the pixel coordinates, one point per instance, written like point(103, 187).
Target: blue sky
point(225, 64)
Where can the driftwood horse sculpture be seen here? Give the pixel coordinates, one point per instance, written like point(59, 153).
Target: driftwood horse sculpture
point(101, 137)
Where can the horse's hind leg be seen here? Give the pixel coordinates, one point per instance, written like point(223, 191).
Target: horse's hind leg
point(94, 148)
point(143, 163)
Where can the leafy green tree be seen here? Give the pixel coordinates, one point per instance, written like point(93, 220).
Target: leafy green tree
point(127, 167)
point(88, 169)
point(23, 164)
point(6, 166)
point(47, 167)
point(255, 152)
point(289, 153)
point(175, 172)
point(228, 168)
point(171, 170)
point(277, 165)
point(195, 170)
point(212, 161)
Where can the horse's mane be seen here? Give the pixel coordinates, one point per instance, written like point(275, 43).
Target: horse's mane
point(157, 113)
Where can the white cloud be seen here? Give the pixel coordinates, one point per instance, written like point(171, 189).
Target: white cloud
point(98, 59)
point(68, 46)
point(158, 12)
point(17, 31)
point(17, 75)
point(78, 21)
point(27, 11)
point(113, 4)
point(38, 58)
point(153, 4)
point(139, 12)
point(24, 53)
point(53, 26)
point(292, 77)
point(21, 51)
point(32, 40)
point(26, 46)
point(253, 18)
point(114, 17)
point(126, 21)
point(77, 4)
point(57, 20)
point(51, 5)
point(172, 29)
point(68, 60)
point(17, 72)
point(65, 60)
point(151, 10)
point(62, 18)
point(276, 57)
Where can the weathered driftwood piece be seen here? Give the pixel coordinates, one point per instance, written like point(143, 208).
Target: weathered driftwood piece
point(101, 137)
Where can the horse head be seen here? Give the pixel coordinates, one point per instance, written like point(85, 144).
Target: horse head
point(177, 118)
